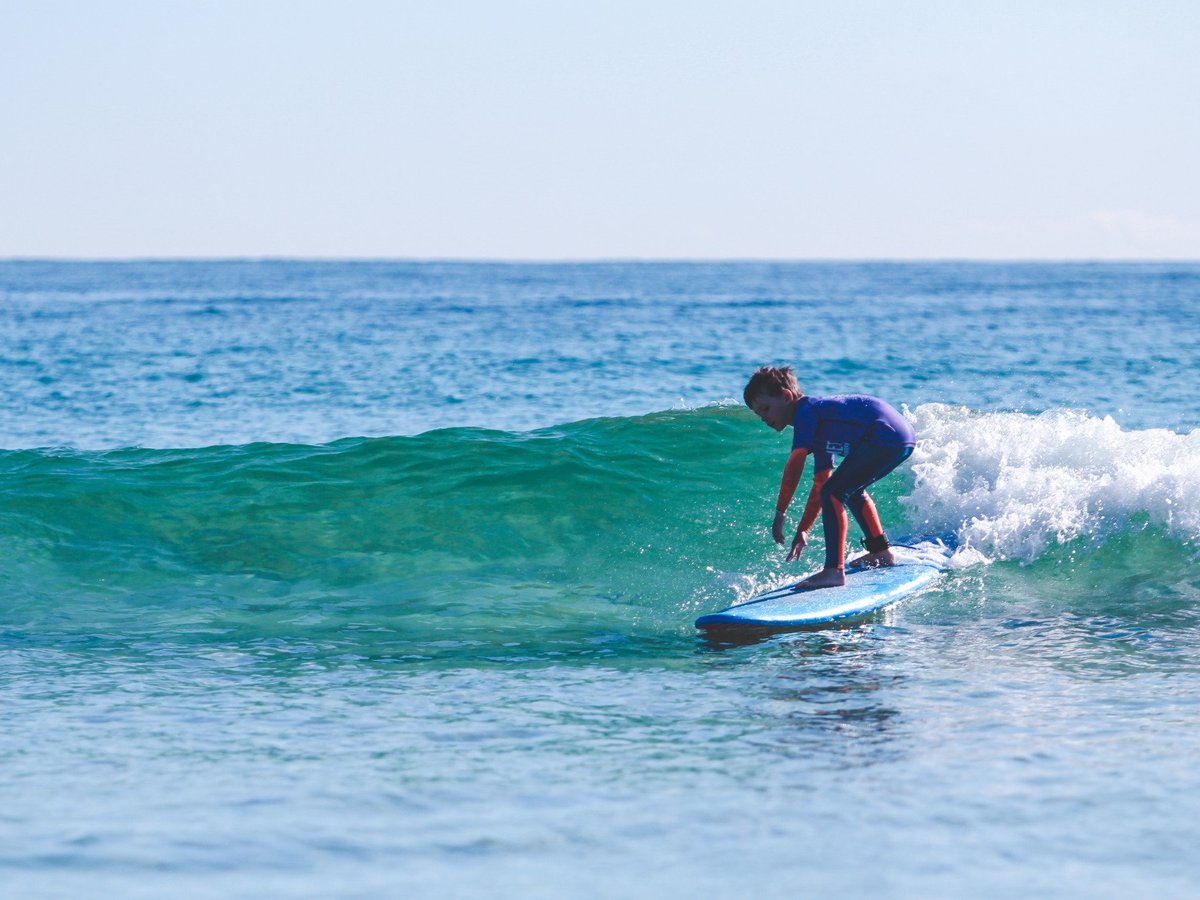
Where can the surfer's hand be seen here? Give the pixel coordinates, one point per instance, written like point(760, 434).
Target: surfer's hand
point(777, 527)
point(798, 545)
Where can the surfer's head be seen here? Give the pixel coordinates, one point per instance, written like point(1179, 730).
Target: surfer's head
point(772, 393)
point(771, 381)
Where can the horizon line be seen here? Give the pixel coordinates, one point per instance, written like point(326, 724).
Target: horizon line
point(610, 260)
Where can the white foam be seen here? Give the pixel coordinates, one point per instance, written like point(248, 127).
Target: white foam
point(1009, 485)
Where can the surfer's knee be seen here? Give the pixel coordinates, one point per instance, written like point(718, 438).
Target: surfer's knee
point(830, 493)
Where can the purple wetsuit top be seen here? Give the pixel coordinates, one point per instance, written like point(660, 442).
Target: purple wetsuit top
point(828, 425)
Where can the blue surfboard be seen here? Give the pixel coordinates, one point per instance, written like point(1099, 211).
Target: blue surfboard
point(866, 591)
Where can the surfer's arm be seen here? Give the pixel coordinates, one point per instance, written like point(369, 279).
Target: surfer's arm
point(812, 509)
point(787, 489)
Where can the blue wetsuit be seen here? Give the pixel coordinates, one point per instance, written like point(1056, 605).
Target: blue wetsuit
point(873, 437)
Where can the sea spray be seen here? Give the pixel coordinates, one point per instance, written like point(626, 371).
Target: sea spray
point(1011, 485)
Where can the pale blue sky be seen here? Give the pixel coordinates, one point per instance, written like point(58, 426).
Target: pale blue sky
point(551, 130)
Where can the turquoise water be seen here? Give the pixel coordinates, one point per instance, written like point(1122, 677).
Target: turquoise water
point(367, 579)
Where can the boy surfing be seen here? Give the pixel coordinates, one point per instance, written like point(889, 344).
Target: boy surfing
point(871, 436)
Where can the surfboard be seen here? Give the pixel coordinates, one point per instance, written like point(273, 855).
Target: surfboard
point(866, 591)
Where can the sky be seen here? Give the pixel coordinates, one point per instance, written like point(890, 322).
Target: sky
point(651, 129)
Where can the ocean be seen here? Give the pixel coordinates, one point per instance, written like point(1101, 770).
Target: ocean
point(378, 579)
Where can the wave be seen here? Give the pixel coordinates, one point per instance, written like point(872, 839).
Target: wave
point(1013, 486)
point(583, 534)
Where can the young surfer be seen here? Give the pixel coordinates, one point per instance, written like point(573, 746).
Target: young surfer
point(872, 437)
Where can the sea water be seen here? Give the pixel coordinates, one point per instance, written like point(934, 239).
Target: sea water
point(372, 579)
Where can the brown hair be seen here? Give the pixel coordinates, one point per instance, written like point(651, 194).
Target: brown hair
point(771, 380)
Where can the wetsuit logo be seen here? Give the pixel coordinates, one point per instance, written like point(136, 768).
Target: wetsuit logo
point(835, 447)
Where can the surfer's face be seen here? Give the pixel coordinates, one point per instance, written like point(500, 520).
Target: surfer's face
point(776, 411)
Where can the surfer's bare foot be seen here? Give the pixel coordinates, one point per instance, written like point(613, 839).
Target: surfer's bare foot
point(823, 579)
point(872, 560)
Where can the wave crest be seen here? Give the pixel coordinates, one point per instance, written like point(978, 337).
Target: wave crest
point(1010, 485)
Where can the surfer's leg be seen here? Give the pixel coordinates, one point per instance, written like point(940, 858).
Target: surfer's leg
point(865, 465)
point(875, 539)
point(833, 521)
point(862, 507)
